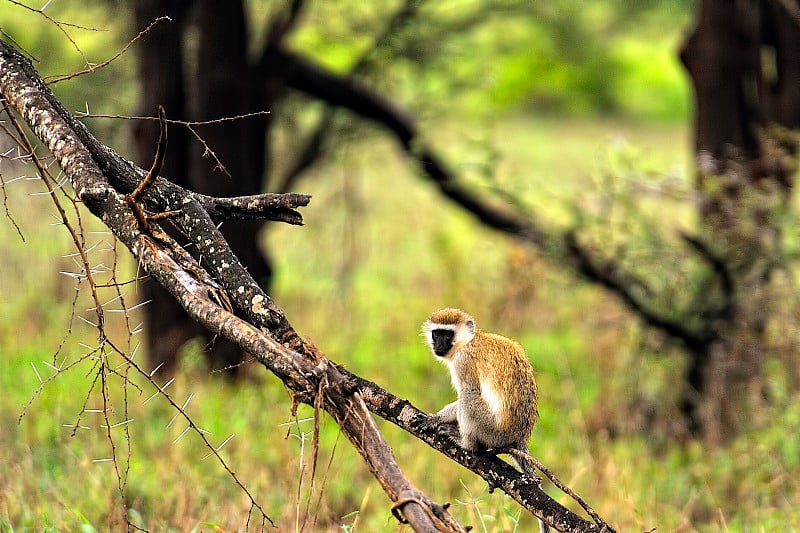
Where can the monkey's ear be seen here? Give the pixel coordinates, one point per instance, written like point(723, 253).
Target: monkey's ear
point(471, 326)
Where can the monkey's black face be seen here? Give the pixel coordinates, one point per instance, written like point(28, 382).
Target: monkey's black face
point(442, 341)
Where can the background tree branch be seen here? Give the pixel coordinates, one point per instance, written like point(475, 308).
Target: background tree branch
point(305, 76)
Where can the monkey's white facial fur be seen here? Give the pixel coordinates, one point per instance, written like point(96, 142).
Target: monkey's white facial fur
point(447, 330)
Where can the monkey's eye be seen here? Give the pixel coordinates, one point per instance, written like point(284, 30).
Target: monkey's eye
point(442, 340)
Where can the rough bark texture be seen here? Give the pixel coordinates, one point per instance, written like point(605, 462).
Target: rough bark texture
point(222, 296)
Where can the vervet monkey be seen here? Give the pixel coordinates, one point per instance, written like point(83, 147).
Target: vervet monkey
point(496, 405)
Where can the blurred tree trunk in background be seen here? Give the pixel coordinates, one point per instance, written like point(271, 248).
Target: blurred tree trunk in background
point(743, 61)
point(225, 84)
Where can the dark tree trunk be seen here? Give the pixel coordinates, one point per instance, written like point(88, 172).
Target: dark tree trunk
point(745, 174)
point(781, 43)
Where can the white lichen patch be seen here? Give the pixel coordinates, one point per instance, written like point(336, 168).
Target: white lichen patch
point(257, 305)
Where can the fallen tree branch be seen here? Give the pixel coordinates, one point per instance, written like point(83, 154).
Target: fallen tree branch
point(222, 296)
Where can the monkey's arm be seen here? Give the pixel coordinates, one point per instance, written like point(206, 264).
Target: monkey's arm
point(448, 414)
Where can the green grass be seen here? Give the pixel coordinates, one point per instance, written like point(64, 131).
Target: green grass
point(380, 250)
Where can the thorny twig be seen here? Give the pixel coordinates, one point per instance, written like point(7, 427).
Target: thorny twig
point(55, 79)
point(61, 27)
point(7, 211)
point(99, 356)
point(80, 245)
point(189, 125)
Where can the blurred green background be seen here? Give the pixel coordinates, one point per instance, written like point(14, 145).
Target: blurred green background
point(557, 106)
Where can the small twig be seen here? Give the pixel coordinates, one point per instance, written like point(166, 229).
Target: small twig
point(55, 79)
point(19, 46)
point(3, 189)
point(7, 210)
point(60, 25)
point(174, 121)
point(207, 151)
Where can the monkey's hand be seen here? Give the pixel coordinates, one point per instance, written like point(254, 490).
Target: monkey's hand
point(429, 423)
point(423, 422)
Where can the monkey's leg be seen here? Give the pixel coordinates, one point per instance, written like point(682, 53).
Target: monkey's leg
point(477, 423)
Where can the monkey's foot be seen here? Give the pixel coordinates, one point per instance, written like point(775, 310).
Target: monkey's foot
point(423, 422)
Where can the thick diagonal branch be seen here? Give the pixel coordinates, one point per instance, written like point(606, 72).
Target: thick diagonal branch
point(102, 179)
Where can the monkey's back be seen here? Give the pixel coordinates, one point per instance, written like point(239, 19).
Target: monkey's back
point(508, 387)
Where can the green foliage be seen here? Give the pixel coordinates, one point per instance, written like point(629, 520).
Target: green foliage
point(484, 57)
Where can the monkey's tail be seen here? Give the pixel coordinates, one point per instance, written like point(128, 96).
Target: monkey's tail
point(528, 464)
point(525, 463)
